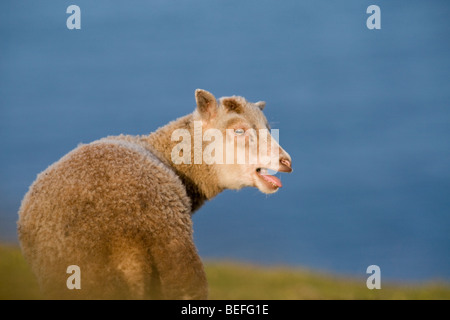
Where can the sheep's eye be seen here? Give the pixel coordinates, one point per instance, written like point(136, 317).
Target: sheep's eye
point(239, 132)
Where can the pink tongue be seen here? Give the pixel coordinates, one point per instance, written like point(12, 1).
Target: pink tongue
point(272, 179)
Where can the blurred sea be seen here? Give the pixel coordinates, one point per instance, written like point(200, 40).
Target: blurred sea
point(365, 115)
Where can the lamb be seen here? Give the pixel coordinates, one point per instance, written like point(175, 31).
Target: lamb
point(120, 208)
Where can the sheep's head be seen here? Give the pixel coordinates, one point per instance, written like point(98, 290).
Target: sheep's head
point(245, 150)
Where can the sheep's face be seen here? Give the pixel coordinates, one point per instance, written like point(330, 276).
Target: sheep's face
point(241, 144)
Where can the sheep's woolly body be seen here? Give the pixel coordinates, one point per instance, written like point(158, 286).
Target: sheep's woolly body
point(109, 207)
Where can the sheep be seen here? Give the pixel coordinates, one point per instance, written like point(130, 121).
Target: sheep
point(120, 207)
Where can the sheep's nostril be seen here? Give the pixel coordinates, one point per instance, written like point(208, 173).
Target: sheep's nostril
point(287, 164)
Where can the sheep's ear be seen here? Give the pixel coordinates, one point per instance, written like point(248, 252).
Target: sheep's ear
point(260, 104)
point(206, 104)
point(232, 105)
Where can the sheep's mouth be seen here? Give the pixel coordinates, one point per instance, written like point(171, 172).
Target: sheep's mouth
point(269, 180)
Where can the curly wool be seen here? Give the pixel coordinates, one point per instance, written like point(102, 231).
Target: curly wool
point(118, 212)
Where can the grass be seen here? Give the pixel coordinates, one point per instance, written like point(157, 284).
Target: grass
point(16, 279)
point(238, 281)
point(242, 282)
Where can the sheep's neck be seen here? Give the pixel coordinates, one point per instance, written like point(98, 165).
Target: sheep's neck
point(200, 180)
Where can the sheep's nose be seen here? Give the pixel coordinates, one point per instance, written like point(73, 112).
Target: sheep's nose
point(285, 165)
